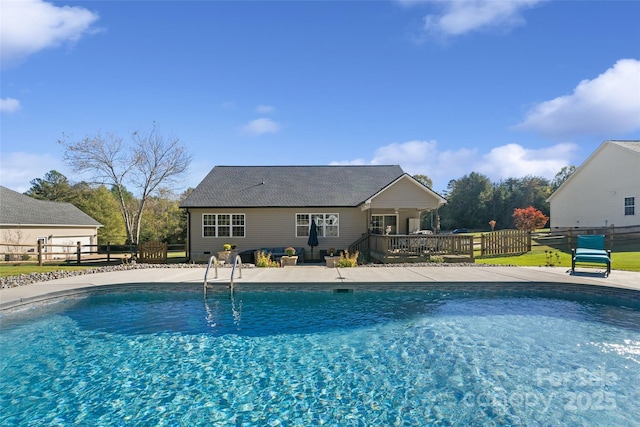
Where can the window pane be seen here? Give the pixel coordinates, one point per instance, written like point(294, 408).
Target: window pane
point(224, 219)
point(224, 232)
point(209, 231)
point(208, 219)
point(629, 206)
point(238, 231)
point(238, 219)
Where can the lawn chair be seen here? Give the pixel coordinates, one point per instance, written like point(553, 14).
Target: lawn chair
point(590, 249)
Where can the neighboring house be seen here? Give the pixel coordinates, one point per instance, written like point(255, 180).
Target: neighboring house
point(25, 221)
point(604, 191)
point(268, 206)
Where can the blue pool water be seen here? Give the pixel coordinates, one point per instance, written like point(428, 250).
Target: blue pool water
point(170, 357)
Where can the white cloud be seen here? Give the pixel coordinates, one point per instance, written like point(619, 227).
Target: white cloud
point(18, 169)
point(465, 16)
point(29, 26)
point(9, 105)
point(608, 104)
point(515, 161)
point(265, 109)
point(507, 161)
point(260, 126)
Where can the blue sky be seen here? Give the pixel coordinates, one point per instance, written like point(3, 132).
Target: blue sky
point(442, 88)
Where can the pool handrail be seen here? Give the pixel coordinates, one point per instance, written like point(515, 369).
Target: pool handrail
point(233, 269)
point(214, 260)
point(206, 273)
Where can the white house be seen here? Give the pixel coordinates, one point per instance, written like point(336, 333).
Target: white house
point(604, 191)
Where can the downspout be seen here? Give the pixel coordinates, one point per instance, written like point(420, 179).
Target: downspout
point(188, 246)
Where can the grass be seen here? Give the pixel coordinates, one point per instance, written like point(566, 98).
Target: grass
point(28, 268)
point(16, 270)
point(622, 258)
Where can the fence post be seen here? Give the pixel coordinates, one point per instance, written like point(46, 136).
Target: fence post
point(40, 253)
point(529, 241)
point(78, 252)
point(570, 238)
point(108, 252)
point(611, 232)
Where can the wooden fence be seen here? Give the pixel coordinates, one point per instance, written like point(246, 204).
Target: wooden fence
point(505, 242)
point(155, 252)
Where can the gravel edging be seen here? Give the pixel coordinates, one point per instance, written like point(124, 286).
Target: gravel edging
point(28, 279)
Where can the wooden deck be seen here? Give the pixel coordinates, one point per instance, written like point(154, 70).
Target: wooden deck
point(416, 248)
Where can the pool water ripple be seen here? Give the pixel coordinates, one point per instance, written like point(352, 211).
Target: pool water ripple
point(366, 359)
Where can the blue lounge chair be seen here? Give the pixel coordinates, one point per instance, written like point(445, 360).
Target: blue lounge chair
point(590, 249)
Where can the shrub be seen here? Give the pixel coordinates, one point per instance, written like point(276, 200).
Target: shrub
point(226, 247)
point(529, 219)
point(331, 251)
point(264, 260)
point(290, 251)
point(347, 259)
point(436, 258)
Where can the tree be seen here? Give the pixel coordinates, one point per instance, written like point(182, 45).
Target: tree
point(97, 202)
point(469, 202)
point(101, 205)
point(163, 219)
point(562, 176)
point(529, 218)
point(424, 180)
point(147, 162)
point(54, 186)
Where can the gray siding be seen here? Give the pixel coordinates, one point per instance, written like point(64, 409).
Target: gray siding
point(266, 227)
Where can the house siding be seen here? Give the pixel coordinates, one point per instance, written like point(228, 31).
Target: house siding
point(404, 194)
point(268, 227)
point(59, 235)
point(594, 196)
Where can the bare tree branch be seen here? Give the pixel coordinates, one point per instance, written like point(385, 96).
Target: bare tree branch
point(144, 164)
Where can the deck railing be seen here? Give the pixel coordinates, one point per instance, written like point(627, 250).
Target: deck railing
point(412, 245)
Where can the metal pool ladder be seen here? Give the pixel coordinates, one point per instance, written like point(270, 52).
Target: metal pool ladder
point(237, 261)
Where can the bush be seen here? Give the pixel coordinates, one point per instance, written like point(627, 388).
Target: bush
point(290, 251)
point(264, 260)
point(347, 259)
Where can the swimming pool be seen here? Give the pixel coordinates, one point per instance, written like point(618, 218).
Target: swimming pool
point(164, 356)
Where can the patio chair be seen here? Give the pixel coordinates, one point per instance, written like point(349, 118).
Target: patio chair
point(590, 249)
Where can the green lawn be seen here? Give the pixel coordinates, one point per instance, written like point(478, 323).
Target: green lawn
point(27, 268)
point(16, 270)
point(628, 260)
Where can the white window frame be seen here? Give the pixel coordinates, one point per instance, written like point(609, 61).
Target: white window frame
point(384, 223)
point(233, 227)
point(629, 206)
point(328, 224)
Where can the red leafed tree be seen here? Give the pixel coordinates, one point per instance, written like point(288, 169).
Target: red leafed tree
point(529, 218)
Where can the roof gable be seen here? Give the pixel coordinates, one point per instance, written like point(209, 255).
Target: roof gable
point(18, 209)
point(631, 147)
point(436, 200)
point(290, 186)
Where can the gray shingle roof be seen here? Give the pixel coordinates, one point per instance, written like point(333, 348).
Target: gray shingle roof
point(290, 186)
point(18, 209)
point(629, 144)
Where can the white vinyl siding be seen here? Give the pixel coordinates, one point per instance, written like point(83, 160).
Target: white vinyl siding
point(594, 196)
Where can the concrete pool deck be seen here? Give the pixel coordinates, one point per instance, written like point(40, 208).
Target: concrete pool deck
point(305, 274)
